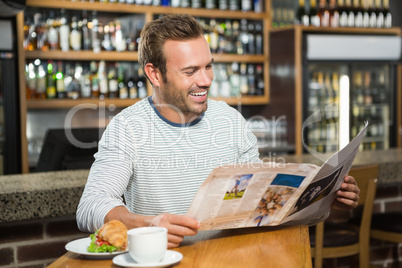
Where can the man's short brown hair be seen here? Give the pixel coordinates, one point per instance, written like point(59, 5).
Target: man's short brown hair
point(180, 27)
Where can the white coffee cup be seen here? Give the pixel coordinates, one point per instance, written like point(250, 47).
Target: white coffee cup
point(147, 244)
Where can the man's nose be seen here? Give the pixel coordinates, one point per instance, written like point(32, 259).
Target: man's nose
point(205, 78)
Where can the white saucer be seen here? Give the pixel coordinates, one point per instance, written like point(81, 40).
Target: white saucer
point(171, 257)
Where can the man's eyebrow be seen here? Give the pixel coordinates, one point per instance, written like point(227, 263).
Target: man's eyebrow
point(196, 67)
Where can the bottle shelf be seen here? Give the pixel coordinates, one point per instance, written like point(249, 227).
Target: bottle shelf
point(126, 56)
point(82, 55)
point(141, 9)
point(122, 103)
point(347, 30)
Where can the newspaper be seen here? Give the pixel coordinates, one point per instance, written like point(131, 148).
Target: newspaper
point(270, 194)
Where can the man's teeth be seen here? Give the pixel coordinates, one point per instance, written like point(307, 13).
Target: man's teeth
point(198, 93)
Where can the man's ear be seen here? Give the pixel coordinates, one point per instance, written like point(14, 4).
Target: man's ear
point(153, 74)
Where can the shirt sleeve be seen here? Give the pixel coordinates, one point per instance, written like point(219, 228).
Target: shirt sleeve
point(108, 176)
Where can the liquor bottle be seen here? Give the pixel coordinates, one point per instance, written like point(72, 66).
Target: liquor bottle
point(213, 36)
point(40, 82)
point(333, 13)
point(233, 5)
point(259, 48)
point(96, 28)
point(33, 42)
point(86, 32)
point(31, 81)
point(351, 13)
point(72, 82)
point(234, 79)
point(141, 83)
point(131, 84)
point(51, 83)
point(93, 77)
point(358, 89)
point(122, 86)
point(243, 79)
point(358, 13)
point(302, 18)
point(366, 14)
point(107, 40)
point(113, 82)
point(246, 5)
point(343, 15)
point(368, 98)
point(75, 35)
point(85, 81)
point(251, 48)
point(119, 37)
point(387, 14)
point(260, 85)
point(183, 3)
point(258, 6)
point(314, 96)
point(103, 83)
point(64, 32)
point(251, 79)
point(323, 13)
point(60, 87)
point(225, 88)
point(53, 34)
point(380, 14)
point(196, 4)
point(314, 19)
point(373, 14)
point(335, 86)
point(243, 37)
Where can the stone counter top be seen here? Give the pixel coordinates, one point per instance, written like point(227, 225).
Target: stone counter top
point(54, 194)
point(40, 195)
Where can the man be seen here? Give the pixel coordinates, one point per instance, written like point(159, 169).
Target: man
point(158, 151)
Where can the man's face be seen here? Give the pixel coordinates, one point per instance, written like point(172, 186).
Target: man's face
point(189, 76)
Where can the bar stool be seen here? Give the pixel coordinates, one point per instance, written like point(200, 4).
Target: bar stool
point(334, 240)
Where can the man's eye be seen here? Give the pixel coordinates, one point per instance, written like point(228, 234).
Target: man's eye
point(190, 72)
point(209, 66)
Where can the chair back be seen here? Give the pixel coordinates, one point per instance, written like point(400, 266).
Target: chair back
point(366, 178)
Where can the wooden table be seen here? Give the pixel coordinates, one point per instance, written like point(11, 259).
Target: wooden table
point(249, 247)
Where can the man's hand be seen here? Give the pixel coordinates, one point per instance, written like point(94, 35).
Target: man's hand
point(347, 196)
point(178, 226)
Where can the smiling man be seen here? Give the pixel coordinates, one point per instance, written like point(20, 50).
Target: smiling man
point(157, 152)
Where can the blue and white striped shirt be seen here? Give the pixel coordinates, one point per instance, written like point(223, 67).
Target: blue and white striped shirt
point(159, 165)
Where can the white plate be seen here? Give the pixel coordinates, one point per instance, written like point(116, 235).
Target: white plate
point(80, 246)
point(171, 257)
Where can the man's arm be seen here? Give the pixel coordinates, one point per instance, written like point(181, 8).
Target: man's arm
point(348, 195)
point(178, 225)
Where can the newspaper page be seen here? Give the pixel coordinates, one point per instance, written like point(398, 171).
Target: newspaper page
point(269, 193)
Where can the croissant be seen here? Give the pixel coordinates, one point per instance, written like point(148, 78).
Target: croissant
point(115, 233)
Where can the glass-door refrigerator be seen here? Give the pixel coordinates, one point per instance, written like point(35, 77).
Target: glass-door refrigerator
point(348, 80)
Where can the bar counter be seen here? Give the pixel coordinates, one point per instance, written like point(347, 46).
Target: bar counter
point(54, 194)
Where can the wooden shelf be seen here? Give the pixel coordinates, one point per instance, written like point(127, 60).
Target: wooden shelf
point(141, 9)
point(122, 103)
point(346, 30)
point(69, 103)
point(126, 56)
point(82, 55)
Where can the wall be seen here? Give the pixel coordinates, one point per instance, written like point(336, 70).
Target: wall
point(37, 243)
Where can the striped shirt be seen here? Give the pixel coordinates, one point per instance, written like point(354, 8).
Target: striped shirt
point(159, 165)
